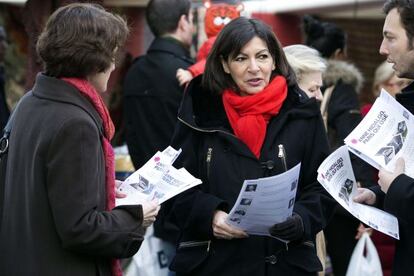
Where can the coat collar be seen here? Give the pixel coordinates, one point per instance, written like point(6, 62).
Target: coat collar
point(57, 90)
point(406, 98)
point(170, 45)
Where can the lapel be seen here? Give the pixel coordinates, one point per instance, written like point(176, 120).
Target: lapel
point(53, 89)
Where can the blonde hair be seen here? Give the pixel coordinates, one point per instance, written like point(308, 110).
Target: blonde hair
point(383, 73)
point(304, 59)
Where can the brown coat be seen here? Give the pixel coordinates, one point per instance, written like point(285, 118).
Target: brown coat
point(54, 220)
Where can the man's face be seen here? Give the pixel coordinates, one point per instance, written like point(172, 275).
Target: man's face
point(396, 47)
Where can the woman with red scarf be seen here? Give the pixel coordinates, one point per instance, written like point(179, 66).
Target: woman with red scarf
point(246, 118)
point(58, 214)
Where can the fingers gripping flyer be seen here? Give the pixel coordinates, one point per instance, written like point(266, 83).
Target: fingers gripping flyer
point(157, 179)
point(337, 177)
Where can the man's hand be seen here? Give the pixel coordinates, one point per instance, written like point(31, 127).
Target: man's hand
point(222, 230)
point(365, 196)
point(386, 178)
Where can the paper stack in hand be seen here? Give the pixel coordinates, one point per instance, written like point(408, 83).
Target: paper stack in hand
point(337, 177)
point(157, 179)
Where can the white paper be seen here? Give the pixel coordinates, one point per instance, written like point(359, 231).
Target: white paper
point(337, 177)
point(264, 202)
point(385, 134)
point(157, 179)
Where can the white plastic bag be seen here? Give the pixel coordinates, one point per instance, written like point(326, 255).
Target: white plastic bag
point(152, 259)
point(364, 263)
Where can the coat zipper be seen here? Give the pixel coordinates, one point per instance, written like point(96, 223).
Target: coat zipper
point(282, 156)
point(189, 244)
point(208, 160)
point(205, 130)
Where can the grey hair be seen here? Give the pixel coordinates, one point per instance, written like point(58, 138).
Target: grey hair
point(304, 59)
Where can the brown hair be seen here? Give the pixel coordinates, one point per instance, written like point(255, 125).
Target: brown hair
point(79, 40)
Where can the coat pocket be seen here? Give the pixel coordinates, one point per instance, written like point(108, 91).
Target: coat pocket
point(190, 255)
point(304, 256)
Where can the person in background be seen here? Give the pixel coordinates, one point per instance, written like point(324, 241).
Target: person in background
point(309, 66)
point(152, 94)
point(394, 192)
point(384, 78)
point(341, 113)
point(4, 108)
point(58, 214)
point(246, 118)
point(216, 17)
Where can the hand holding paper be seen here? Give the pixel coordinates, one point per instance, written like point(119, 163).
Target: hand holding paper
point(223, 230)
point(289, 230)
point(386, 178)
point(365, 196)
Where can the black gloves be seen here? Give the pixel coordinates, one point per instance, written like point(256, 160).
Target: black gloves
point(290, 230)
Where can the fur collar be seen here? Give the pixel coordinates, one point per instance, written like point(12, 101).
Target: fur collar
point(345, 71)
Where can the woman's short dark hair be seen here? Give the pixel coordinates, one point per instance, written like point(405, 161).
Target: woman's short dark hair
point(406, 10)
point(79, 40)
point(229, 43)
point(326, 37)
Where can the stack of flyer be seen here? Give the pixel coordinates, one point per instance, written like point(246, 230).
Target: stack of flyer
point(337, 177)
point(384, 135)
point(157, 179)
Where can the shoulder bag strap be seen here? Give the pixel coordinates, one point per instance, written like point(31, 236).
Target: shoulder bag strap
point(324, 105)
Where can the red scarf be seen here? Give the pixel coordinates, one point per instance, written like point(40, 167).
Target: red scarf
point(90, 93)
point(249, 115)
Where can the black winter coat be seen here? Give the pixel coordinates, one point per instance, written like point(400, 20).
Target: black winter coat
point(213, 153)
point(54, 219)
point(399, 201)
point(152, 96)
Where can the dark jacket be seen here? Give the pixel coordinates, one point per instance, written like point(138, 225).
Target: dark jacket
point(4, 109)
point(399, 201)
point(54, 220)
point(152, 96)
point(213, 153)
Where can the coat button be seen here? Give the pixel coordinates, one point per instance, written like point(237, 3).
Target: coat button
point(272, 259)
point(268, 164)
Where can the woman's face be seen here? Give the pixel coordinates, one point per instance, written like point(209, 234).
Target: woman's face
point(311, 84)
point(100, 80)
point(251, 68)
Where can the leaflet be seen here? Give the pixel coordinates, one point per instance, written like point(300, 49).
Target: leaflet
point(385, 134)
point(157, 179)
point(337, 177)
point(264, 202)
